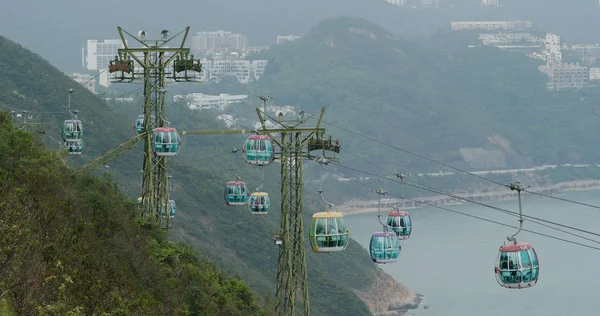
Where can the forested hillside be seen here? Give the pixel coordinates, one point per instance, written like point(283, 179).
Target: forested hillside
point(238, 243)
point(433, 97)
point(71, 246)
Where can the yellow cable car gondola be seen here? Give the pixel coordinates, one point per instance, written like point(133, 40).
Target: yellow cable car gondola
point(328, 232)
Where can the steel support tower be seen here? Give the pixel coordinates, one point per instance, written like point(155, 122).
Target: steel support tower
point(153, 63)
point(295, 144)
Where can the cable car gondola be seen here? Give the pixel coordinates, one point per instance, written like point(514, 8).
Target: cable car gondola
point(75, 147)
point(258, 150)
point(72, 130)
point(139, 124)
point(165, 142)
point(399, 223)
point(384, 247)
point(328, 232)
point(236, 193)
point(259, 203)
point(173, 207)
point(517, 265)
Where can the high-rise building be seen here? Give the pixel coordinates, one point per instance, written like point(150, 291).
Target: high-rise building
point(218, 41)
point(100, 53)
point(396, 2)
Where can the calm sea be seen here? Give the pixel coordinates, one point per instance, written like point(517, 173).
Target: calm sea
point(450, 259)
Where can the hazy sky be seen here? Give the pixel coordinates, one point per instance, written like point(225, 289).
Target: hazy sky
point(58, 29)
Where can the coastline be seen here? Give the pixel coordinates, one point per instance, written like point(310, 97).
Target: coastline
point(364, 207)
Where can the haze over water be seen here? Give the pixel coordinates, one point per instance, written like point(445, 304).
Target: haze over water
point(450, 259)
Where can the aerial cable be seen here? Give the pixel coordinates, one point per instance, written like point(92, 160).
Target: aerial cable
point(425, 157)
point(380, 192)
point(482, 218)
point(468, 200)
point(455, 168)
point(402, 175)
point(517, 186)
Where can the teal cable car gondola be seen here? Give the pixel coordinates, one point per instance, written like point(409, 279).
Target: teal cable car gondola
point(236, 193)
point(259, 203)
point(173, 210)
point(75, 147)
point(258, 150)
point(384, 247)
point(517, 265)
point(72, 130)
point(328, 232)
point(399, 223)
point(166, 142)
point(140, 127)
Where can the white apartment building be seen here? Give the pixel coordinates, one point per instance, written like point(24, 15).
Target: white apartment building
point(244, 70)
point(519, 26)
point(99, 53)
point(205, 101)
point(490, 3)
point(552, 50)
point(595, 73)
point(286, 38)
point(85, 80)
point(218, 41)
point(396, 2)
point(496, 39)
point(565, 76)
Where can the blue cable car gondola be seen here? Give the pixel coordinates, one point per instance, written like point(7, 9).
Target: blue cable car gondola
point(517, 265)
point(328, 233)
point(75, 147)
point(399, 223)
point(258, 150)
point(236, 193)
point(259, 203)
point(384, 247)
point(72, 130)
point(139, 124)
point(166, 142)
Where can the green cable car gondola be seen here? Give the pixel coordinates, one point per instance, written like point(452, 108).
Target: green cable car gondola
point(72, 131)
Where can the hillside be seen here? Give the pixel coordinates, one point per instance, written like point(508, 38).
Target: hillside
point(71, 246)
point(239, 244)
point(432, 97)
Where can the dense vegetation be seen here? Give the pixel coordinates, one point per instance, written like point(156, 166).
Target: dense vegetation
point(71, 246)
point(238, 243)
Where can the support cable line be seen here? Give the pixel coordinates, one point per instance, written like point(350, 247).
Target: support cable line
point(481, 218)
point(468, 200)
point(425, 157)
point(455, 168)
point(402, 176)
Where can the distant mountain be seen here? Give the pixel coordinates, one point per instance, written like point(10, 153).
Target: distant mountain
point(437, 97)
point(59, 30)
